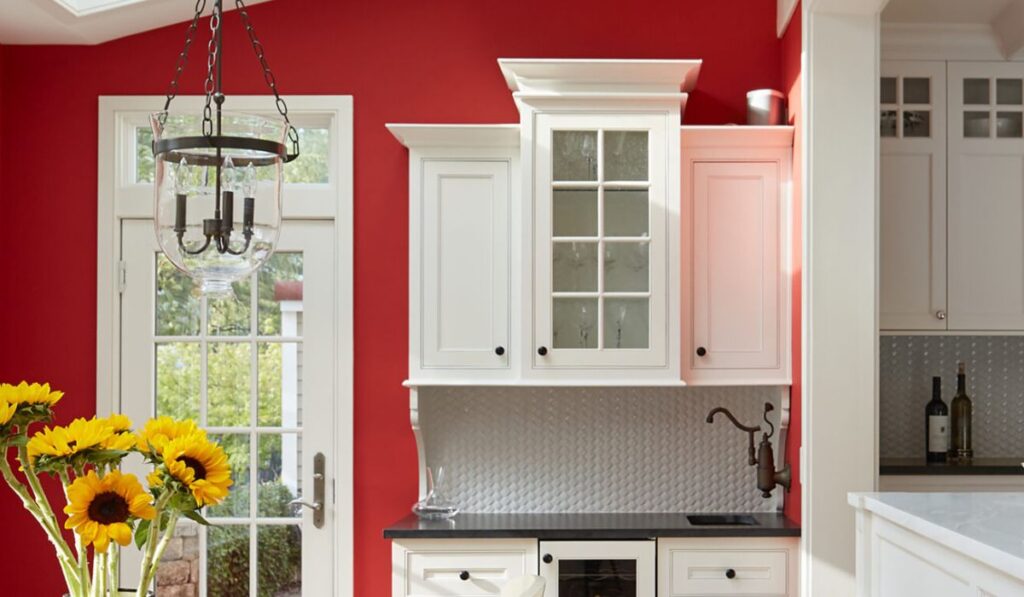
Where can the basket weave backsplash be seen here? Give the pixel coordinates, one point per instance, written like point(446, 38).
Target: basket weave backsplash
point(594, 449)
point(995, 384)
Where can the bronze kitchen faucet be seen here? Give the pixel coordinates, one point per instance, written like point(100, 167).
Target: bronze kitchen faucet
point(767, 476)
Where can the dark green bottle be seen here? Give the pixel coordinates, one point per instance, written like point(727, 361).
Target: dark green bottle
point(936, 427)
point(961, 450)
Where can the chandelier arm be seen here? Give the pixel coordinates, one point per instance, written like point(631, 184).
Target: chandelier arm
point(172, 88)
point(187, 251)
point(248, 240)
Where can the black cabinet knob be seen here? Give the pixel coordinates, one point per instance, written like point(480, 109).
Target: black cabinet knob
point(543, 350)
point(499, 350)
point(701, 351)
point(464, 575)
point(730, 573)
point(547, 558)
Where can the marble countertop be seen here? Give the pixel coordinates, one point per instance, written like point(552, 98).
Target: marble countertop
point(988, 527)
point(978, 466)
point(585, 526)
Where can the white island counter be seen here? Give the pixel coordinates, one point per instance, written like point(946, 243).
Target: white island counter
point(940, 544)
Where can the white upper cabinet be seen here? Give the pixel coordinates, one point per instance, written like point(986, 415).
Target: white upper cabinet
point(986, 196)
point(913, 196)
point(461, 183)
point(736, 327)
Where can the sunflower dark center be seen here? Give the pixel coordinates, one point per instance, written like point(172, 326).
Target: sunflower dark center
point(108, 508)
point(195, 465)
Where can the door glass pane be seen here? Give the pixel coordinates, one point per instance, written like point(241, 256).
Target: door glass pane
point(280, 384)
point(236, 447)
point(916, 90)
point(626, 323)
point(574, 212)
point(280, 295)
point(916, 123)
point(279, 475)
point(976, 124)
point(227, 384)
point(625, 155)
point(574, 155)
point(227, 564)
point(1008, 92)
point(177, 308)
point(178, 573)
point(574, 322)
point(626, 267)
point(229, 316)
point(888, 90)
point(574, 267)
point(178, 380)
point(279, 549)
point(1008, 124)
point(625, 212)
point(597, 577)
point(143, 154)
point(888, 123)
point(976, 91)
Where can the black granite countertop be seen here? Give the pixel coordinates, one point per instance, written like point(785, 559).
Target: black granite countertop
point(978, 466)
point(584, 526)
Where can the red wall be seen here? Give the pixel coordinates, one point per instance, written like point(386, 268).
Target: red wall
point(403, 61)
point(791, 78)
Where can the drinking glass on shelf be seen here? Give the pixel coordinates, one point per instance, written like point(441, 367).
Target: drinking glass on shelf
point(585, 326)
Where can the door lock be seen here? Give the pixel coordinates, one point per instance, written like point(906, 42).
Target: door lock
point(317, 505)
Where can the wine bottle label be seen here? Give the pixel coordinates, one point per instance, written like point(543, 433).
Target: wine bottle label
point(938, 433)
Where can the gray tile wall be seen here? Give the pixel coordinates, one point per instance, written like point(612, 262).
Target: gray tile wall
point(594, 449)
point(995, 384)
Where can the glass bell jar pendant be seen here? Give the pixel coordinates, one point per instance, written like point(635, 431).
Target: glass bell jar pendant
point(218, 175)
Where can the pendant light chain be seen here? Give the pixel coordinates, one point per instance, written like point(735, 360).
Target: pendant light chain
point(268, 76)
point(212, 84)
point(172, 88)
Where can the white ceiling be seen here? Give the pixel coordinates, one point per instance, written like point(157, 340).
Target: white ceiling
point(88, 21)
point(944, 11)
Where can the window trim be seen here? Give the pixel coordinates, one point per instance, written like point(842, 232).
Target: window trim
point(120, 198)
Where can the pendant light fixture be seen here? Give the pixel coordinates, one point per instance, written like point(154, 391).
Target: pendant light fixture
point(209, 163)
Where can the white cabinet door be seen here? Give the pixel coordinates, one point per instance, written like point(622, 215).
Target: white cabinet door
point(735, 316)
point(464, 264)
point(601, 237)
point(459, 567)
point(733, 567)
point(986, 196)
point(913, 196)
point(572, 568)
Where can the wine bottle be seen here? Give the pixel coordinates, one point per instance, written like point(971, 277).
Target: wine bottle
point(936, 425)
point(961, 423)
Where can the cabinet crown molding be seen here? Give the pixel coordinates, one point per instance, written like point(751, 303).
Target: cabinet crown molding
point(737, 136)
point(455, 135)
point(556, 76)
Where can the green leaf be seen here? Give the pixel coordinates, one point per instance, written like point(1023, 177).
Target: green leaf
point(196, 517)
point(17, 440)
point(142, 533)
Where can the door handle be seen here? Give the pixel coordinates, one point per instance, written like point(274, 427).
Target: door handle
point(317, 505)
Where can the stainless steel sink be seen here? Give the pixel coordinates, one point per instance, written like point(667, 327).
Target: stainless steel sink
point(719, 520)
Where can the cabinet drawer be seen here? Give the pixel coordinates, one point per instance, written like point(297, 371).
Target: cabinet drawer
point(692, 570)
point(459, 568)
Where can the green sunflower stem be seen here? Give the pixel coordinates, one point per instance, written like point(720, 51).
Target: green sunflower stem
point(83, 554)
point(113, 568)
point(151, 560)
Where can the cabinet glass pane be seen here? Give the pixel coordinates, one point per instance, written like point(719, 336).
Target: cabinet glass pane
point(574, 267)
point(236, 447)
point(888, 123)
point(916, 123)
point(625, 212)
point(574, 213)
point(625, 155)
point(227, 561)
point(1008, 92)
point(626, 267)
point(229, 316)
point(1008, 124)
point(626, 323)
point(614, 578)
point(574, 155)
point(976, 124)
point(976, 91)
point(916, 90)
point(177, 380)
point(574, 321)
point(228, 382)
point(888, 90)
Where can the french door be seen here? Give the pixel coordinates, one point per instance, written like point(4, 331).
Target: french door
point(256, 370)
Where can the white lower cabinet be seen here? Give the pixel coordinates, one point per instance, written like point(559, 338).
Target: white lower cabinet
point(598, 568)
point(459, 567)
point(697, 567)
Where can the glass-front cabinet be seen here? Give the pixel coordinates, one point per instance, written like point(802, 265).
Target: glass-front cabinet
point(600, 234)
point(598, 568)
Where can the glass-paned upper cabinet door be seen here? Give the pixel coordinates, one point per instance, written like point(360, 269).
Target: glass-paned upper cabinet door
point(600, 279)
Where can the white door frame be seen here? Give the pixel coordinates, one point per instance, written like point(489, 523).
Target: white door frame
point(119, 197)
point(840, 283)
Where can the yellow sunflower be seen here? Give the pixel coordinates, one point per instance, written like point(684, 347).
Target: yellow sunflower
point(6, 412)
point(99, 508)
point(201, 465)
point(77, 437)
point(161, 430)
point(122, 437)
point(25, 393)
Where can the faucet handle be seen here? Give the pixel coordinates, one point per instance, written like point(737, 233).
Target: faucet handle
point(769, 407)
